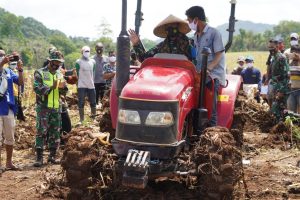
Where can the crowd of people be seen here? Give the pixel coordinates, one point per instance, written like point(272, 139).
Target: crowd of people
point(93, 76)
point(281, 82)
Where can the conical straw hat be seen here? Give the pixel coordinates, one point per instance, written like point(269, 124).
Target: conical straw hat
point(160, 29)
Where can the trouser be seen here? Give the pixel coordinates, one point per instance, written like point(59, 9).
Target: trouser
point(278, 107)
point(7, 128)
point(100, 89)
point(279, 103)
point(82, 92)
point(48, 125)
point(293, 102)
point(213, 120)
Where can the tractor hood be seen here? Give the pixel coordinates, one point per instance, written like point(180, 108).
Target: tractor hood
point(158, 83)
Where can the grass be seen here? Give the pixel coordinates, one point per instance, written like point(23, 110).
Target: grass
point(260, 59)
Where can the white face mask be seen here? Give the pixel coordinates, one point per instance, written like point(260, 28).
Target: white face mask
point(293, 42)
point(193, 26)
point(86, 54)
point(250, 65)
point(13, 66)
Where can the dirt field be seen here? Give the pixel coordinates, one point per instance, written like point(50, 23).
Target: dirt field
point(271, 171)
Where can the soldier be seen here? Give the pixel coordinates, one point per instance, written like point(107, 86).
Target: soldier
point(279, 80)
point(48, 120)
point(173, 30)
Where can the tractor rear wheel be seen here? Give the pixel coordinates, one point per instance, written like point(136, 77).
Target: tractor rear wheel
point(218, 160)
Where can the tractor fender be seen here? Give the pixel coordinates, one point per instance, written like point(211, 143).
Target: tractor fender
point(226, 100)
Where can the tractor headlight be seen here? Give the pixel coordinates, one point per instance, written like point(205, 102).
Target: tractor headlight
point(159, 119)
point(129, 117)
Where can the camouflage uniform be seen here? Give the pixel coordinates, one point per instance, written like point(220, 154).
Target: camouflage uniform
point(279, 82)
point(178, 46)
point(48, 120)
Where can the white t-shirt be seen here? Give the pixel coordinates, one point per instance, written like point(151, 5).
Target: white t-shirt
point(86, 73)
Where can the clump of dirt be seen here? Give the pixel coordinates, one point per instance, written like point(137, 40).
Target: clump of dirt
point(251, 115)
point(219, 163)
point(88, 165)
point(72, 101)
point(104, 118)
point(26, 131)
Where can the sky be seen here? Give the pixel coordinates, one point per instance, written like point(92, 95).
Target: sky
point(82, 17)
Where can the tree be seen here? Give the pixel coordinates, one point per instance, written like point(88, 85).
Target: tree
point(70, 59)
point(104, 29)
point(62, 43)
point(148, 44)
point(285, 28)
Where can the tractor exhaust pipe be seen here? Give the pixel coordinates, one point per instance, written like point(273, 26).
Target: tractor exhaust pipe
point(201, 114)
point(231, 25)
point(123, 53)
point(138, 17)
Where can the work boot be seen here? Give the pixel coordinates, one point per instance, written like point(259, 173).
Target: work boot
point(39, 158)
point(81, 114)
point(93, 111)
point(52, 155)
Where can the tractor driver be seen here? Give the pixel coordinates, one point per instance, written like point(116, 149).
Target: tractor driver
point(173, 30)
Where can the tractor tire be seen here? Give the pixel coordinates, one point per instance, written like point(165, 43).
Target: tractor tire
point(218, 160)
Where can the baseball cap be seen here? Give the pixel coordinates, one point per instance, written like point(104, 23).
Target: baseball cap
point(56, 56)
point(241, 59)
point(249, 58)
point(294, 35)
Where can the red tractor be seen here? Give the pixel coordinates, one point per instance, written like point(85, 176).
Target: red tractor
point(159, 108)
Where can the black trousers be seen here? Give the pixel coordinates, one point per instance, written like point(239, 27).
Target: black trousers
point(100, 89)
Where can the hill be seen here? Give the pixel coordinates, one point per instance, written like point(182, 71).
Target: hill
point(32, 39)
point(246, 25)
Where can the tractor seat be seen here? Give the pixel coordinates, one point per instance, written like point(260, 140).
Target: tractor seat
point(171, 56)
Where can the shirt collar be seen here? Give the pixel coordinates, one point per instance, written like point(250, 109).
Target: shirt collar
point(204, 30)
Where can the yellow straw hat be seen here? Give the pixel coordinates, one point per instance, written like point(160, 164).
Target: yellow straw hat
point(160, 29)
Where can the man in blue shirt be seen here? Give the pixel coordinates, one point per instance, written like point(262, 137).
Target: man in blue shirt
point(206, 36)
point(8, 106)
point(252, 75)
